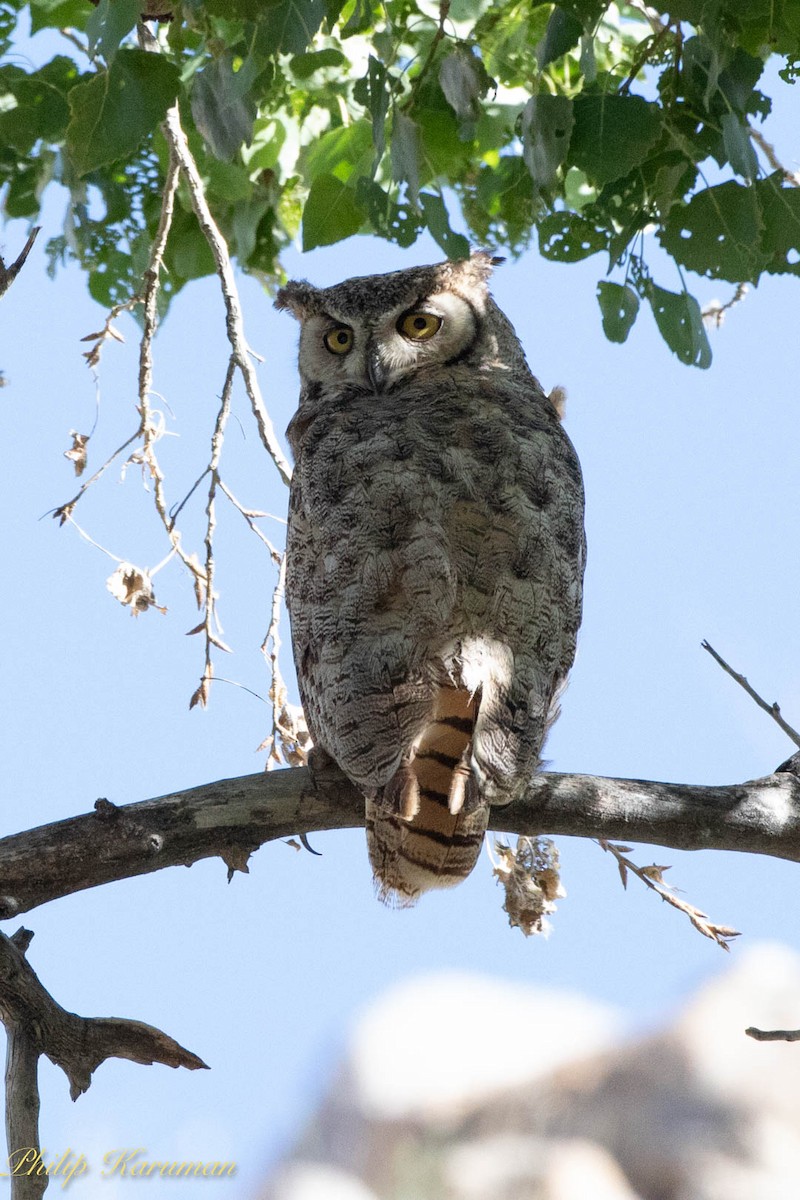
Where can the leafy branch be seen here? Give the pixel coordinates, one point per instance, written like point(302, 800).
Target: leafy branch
point(330, 120)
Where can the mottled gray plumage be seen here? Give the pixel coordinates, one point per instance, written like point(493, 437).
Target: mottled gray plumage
point(435, 557)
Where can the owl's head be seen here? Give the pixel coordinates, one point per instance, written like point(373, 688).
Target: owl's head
point(374, 330)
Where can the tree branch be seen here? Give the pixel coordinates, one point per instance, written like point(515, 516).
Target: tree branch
point(37, 1025)
point(9, 274)
point(231, 818)
point(77, 1044)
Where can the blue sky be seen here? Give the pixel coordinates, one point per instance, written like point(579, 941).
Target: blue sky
point(692, 500)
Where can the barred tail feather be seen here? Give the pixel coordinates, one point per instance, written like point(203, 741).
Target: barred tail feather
point(426, 829)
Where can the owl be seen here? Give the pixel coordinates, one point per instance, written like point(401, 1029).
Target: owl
point(435, 558)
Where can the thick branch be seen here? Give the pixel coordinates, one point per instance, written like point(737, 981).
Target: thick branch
point(22, 1099)
point(233, 817)
point(76, 1044)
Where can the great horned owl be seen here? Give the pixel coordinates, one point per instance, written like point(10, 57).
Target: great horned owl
point(434, 560)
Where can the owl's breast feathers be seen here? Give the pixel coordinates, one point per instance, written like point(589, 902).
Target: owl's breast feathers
point(435, 562)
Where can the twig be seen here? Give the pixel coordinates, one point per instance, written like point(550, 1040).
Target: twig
point(773, 1035)
point(714, 313)
point(176, 138)
point(64, 511)
point(149, 429)
point(653, 877)
point(444, 11)
point(9, 274)
point(646, 49)
point(773, 709)
point(791, 177)
point(210, 624)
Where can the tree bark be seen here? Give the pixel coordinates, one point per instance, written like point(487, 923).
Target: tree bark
point(233, 817)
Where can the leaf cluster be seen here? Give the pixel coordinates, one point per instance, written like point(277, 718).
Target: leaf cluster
point(595, 127)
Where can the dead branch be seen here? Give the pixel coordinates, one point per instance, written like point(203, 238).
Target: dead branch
point(653, 878)
point(9, 274)
point(773, 1035)
point(240, 351)
point(37, 1025)
point(22, 1096)
point(77, 1044)
point(231, 818)
point(773, 709)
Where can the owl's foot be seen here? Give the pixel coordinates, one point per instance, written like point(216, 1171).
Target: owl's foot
point(320, 764)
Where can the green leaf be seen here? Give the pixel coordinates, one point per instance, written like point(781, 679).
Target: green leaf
point(612, 134)
point(188, 255)
point(546, 128)
point(405, 153)
point(110, 22)
point(115, 110)
point(738, 147)
point(588, 12)
point(396, 222)
point(461, 85)
point(718, 233)
point(303, 66)
point(24, 189)
point(680, 323)
point(455, 245)
point(35, 106)
point(737, 81)
point(245, 10)
point(222, 113)
point(268, 138)
point(340, 152)
point(781, 211)
point(363, 16)
point(332, 10)
point(567, 237)
point(619, 305)
point(563, 32)
point(59, 14)
point(330, 214)
point(246, 219)
point(289, 26)
point(372, 93)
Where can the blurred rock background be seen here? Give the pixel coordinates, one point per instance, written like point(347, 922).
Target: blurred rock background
point(457, 1087)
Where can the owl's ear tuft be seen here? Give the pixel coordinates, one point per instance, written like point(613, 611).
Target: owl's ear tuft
point(485, 261)
point(299, 297)
point(477, 268)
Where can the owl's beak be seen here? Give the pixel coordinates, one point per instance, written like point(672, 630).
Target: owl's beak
point(375, 370)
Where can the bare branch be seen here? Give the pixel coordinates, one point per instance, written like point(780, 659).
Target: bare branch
point(78, 1044)
point(210, 623)
point(22, 1097)
point(37, 1025)
point(773, 1035)
point(773, 709)
point(653, 877)
point(714, 313)
point(231, 818)
point(9, 274)
point(173, 132)
point(768, 150)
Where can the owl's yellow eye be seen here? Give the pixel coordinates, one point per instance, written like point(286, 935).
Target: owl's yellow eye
point(339, 340)
point(419, 326)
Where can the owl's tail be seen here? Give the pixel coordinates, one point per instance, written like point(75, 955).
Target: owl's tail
point(426, 829)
